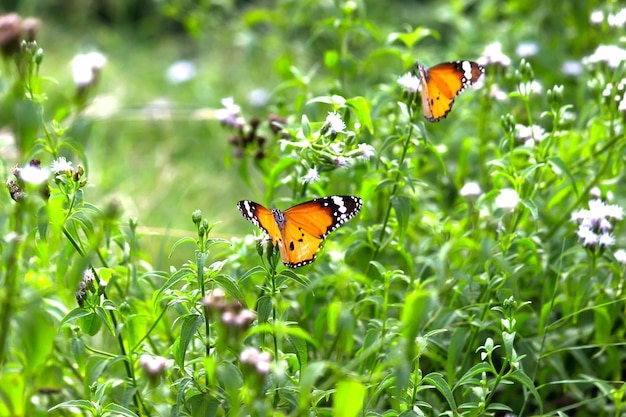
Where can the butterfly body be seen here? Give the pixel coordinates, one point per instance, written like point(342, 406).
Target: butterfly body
point(300, 230)
point(442, 83)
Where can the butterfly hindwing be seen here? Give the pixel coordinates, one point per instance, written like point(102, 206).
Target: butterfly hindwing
point(300, 230)
point(442, 83)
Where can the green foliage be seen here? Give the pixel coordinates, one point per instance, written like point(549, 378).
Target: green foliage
point(463, 287)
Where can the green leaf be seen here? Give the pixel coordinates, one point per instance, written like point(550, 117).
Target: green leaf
point(307, 382)
point(479, 368)
point(362, 111)
point(523, 379)
point(191, 324)
point(230, 285)
point(173, 280)
point(112, 409)
point(180, 242)
point(81, 404)
point(438, 381)
point(300, 348)
point(12, 391)
point(402, 207)
point(348, 398)
point(75, 314)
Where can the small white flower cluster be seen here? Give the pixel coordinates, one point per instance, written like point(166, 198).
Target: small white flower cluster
point(230, 115)
point(508, 199)
point(611, 54)
point(594, 224)
point(260, 361)
point(615, 20)
point(493, 55)
point(410, 83)
point(153, 365)
point(334, 124)
point(530, 135)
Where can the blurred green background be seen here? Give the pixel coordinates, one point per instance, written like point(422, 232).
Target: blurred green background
point(150, 144)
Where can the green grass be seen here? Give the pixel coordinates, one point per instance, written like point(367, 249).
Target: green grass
point(116, 300)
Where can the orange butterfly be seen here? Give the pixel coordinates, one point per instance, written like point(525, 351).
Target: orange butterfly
point(300, 230)
point(442, 83)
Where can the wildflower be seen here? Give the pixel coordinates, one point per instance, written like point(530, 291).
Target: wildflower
point(470, 189)
point(86, 67)
point(508, 199)
point(258, 97)
point(611, 54)
point(571, 67)
point(606, 240)
point(620, 256)
point(595, 192)
point(622, 105)
point(496, 93)
point(617, 20)
point(334, 123)
point(10, 33)
point(587, 235)
point(526, 49)
point(336, 147)
point(311, 176)
point(341, 161)
point(594, 223)
point(529, 134)
point(532, 87)
point(61, 166)
point(34, 174)
point(367, 151)
point(180, 71)
point(89, 279)
point(261, 361)
point(493, 55)
point(153, 365)
point(410, 83)
point(230, 114)
point(597, 17)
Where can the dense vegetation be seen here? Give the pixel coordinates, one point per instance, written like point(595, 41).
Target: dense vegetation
point(483, 275)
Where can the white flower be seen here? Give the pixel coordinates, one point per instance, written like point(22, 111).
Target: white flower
point(526, 49)
point(85, 67)
point(508, 199)
point(311, 176)
point(367, 151)
point(258, 97)
point(595, 192)
point(229, 115)
point(336, 147)
point(410, 82)
point(587, 235)
point(529, 134)
point(617, 20)
point(153, 365)
point(34, 174)
point(493, 55)
point(622, 105)
point(597, 17)
point(606, 240)
point(533, 87)
point(572, 67)
point(611, 54)
point(470, 189)
point(496, 93)
point(259, 360)
point(620, 256)
point(180, 71)
point(61, 166)
point(334, 123)
point(341, 161)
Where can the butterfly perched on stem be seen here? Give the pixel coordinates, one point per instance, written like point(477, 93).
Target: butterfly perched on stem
point(442, 83)
point(300, 230)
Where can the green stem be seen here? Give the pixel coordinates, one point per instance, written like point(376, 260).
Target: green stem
point(394, 191)
point(10, 284)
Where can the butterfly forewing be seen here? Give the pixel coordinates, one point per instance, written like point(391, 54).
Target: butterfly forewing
point(442, 83)
point(260, 217)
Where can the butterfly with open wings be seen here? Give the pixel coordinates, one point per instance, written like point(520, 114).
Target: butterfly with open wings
point(300, 230)
point(442, 83)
